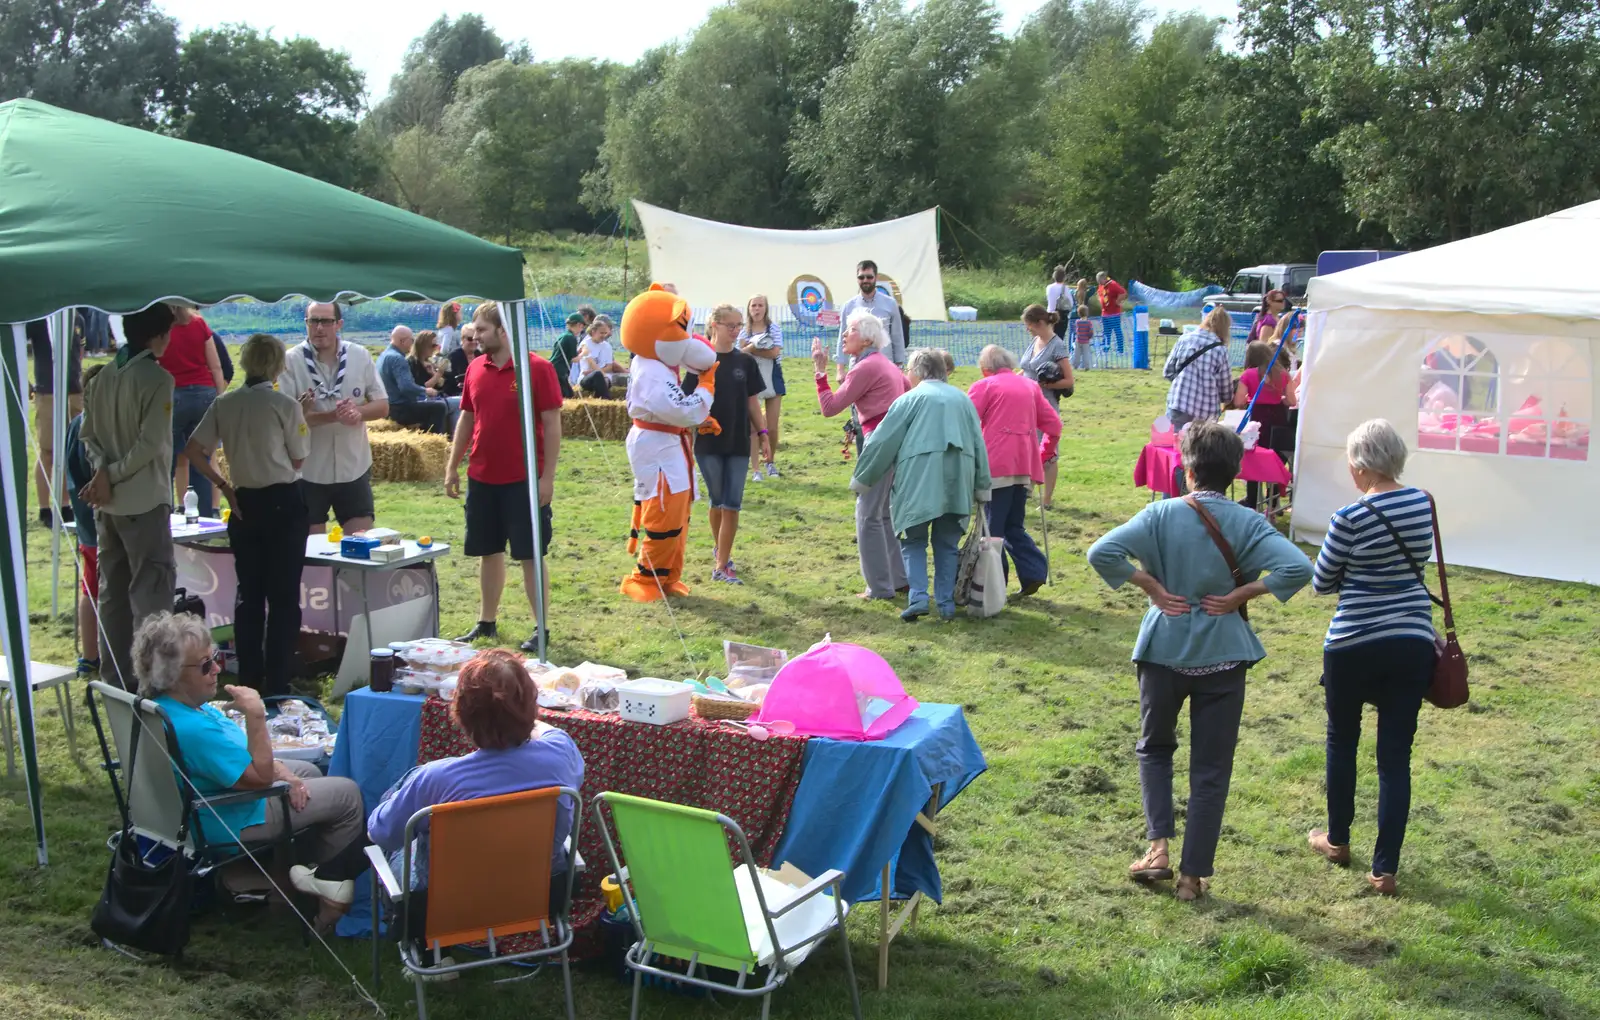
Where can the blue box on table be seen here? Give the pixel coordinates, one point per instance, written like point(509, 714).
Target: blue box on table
point(358, 547)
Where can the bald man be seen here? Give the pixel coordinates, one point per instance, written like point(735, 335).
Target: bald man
point(410, 403)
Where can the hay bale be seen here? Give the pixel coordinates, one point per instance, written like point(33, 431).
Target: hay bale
point(399, 454)
point(588, 418)
point(406, 456)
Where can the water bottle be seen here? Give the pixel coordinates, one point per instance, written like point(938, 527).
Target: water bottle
point(191, 507)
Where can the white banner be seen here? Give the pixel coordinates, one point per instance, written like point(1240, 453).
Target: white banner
point(808, 271)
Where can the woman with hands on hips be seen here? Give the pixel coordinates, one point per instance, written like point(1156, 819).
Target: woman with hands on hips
point(1195, 643)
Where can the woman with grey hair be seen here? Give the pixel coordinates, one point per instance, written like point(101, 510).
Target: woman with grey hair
point(1195, 643)
point(1379, 650)
point(178, 667)
point(932, 442)
point(869, 389)
point(1013, 411)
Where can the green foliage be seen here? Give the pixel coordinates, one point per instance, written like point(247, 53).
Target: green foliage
point(1108, 144)
point(432, 70)
point(914, 118)
point(1457, 118)
point(705, 128)
point(116, 59)
point(522, 135)
point(292, 103)
point(1000, 292)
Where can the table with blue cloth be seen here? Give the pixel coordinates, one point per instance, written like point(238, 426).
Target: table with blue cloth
point(867, 808)
point(896, 786)
point(378, 735)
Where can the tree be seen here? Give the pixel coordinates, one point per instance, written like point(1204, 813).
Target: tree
point(291, 103)
point(1073, 29)
point(1249, 184)
point(1457, 118)
point(913, 118)
point(434, 64)
point(723, 105)
point(116, 59)
point(1109, 140)
point(523, 136)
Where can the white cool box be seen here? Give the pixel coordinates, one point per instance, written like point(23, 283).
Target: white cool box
point(652, 700)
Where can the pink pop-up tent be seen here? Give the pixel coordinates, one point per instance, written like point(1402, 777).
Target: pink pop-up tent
point(838, 690)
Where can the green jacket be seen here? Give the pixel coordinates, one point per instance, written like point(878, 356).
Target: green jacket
point(932, 441)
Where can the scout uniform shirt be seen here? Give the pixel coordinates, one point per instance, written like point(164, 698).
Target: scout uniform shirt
point(264, 432)
point(339, 452)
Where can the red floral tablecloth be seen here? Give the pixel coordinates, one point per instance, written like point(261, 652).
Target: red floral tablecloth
point(691, 762)
point(1157, 464)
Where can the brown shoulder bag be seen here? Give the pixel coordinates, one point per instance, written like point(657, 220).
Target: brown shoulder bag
point(1448, 689)
point(1222, 547)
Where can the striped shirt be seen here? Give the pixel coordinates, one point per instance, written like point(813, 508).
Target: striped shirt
point(1379, 594)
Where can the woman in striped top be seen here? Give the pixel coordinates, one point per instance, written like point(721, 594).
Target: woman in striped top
point(1379, 649)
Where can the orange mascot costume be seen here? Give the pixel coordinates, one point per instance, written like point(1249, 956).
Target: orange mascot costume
point(667, 410)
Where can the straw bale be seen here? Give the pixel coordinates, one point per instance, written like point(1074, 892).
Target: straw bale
point(407, 456)
point(588, 418)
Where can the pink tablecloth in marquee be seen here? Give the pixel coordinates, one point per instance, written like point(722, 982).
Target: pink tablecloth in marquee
point(1158, 463)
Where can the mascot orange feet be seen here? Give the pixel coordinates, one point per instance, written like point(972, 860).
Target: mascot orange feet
point(660, 533)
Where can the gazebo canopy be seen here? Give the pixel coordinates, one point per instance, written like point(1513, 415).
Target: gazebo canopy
point(95, 213)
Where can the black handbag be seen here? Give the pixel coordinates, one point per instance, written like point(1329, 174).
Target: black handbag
point(144, 905)
point(183, 602)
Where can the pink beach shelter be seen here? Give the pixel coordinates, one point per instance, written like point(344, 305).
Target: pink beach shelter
point(838, 690)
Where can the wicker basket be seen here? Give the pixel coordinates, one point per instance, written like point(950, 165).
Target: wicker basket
point(722, 708)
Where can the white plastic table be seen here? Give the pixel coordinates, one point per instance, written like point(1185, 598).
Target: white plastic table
point(321, 552)
point(41, 676)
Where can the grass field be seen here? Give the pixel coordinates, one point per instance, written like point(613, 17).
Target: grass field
point(1498, 916)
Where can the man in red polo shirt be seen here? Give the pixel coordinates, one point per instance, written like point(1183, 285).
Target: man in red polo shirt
point(1111, 294)
point(498, 510)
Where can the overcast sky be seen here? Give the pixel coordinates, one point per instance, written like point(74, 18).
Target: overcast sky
point(375, 32)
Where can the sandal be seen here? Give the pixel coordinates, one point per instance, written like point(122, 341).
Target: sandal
point(1154, 866)
point(1319, 843)
point(1190, 888)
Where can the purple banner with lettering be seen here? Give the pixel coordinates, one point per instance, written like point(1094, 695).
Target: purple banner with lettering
point(208, 572)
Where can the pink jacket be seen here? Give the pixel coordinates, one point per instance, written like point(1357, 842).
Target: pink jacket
point(872, 385)
point(1011, 408)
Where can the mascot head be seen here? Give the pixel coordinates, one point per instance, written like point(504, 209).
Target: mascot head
point(655, 325)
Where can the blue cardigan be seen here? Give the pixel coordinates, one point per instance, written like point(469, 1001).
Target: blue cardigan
point(1168, 540)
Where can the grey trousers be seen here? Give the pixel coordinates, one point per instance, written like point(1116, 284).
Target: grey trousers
point(1216, 701)
point(881, 565)
point(333, 814)
point(137, 576)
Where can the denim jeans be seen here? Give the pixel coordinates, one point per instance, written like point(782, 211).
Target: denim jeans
point(1391, 675)
point(946, 532)
point(1008, 514)
point(189, 405)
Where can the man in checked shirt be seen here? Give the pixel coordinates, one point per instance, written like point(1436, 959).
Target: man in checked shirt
point(1202, 379)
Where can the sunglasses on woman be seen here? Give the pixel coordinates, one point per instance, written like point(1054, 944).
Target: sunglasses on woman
point(209, 665)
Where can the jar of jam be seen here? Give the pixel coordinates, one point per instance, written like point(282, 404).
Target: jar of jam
point(382, 670)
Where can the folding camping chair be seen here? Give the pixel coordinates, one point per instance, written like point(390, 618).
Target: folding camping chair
point(488, 878)
point(689, 902)
point(151, 801)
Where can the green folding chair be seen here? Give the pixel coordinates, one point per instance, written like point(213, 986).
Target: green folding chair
point(689, 902)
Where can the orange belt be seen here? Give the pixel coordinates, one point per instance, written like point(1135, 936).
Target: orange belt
point(651, 426)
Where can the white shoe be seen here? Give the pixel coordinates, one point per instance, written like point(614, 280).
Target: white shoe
point(772, 470)
point(444, 961)
point(306, 880)
point(756, 476)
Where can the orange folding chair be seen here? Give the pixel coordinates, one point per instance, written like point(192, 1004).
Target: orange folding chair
point(488, 878)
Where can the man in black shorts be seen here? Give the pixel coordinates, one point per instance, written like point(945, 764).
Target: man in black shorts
point(339, 392)
point(499, 503)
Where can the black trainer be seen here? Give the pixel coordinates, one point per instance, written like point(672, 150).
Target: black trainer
point(484, 629)
point(531, 646)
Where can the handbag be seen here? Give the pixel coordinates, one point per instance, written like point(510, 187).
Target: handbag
point(1222, 547)
point(183, 602)
point(144, 904)
point(967, 565)
point(1448, 688)
point(986, 595)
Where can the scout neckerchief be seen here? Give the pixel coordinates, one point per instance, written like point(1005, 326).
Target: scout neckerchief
point(319, 387)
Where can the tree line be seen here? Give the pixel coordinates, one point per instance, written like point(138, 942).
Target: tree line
point(1094, 134)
